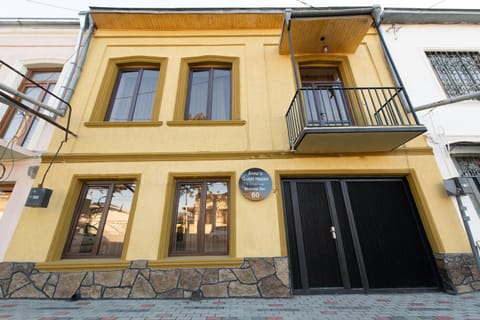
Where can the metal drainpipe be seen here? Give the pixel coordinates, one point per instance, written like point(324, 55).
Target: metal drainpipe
point(377, 19)
point(471, 240)
point(77, 62)
point(288, 16)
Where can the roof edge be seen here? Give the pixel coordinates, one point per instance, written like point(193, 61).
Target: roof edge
point(186, 10)
point(43, 22)
point(430, 16)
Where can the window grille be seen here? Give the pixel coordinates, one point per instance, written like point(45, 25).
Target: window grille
point(469, 166)
point(459, 72)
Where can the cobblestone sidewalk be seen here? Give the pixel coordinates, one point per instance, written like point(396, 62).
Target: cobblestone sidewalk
point(435, 306)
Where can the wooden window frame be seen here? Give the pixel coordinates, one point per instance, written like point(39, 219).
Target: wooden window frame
point(133, 105)
point(108, 86)
point(221, 62)
point(210, 88)
point(77, 212)
point(10, 112)
point(201, 225)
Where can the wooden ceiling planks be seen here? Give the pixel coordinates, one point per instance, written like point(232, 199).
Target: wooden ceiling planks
point(339, 34)
point(186, 21)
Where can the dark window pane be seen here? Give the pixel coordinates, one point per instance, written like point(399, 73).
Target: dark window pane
point(187, 217)
point(31, 131)
point(209, 95)
point(216, 218)
point(88, 222)
point(324, 100)
point(17, 126)
point(122, 102)
point(39, 76)
point(117, 219)
point(201, 218)
point(221, 95)
point(146, 96)
point(101, 220)
point(14, 125)
point(197, 103)
point(134, 95)
point(458, 72)
point(469, 166)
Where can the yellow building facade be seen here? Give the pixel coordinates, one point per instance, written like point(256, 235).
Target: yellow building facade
point(155, 201)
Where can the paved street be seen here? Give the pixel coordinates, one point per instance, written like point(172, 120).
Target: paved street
point(435, 306)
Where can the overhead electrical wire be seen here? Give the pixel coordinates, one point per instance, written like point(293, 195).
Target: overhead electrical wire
point(52, 5)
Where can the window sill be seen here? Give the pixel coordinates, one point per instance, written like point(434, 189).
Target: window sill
point(196, 262)
point(108, 124)
point(212, 123)
point(72, 265)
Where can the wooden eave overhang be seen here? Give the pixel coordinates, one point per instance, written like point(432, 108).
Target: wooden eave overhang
point(310, 35)
point(178, 20)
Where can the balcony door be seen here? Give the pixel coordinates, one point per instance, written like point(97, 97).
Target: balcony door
point(325, 102)
point(355, 234)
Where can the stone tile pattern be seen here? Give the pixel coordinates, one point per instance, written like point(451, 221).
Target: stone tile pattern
point(459, 272)
point(256, 277)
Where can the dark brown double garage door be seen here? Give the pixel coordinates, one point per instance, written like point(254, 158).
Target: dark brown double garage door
point(355, 234)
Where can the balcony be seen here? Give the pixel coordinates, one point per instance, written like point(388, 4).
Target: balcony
point(350, 120)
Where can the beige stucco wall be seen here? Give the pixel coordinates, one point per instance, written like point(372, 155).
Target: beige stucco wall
point(266, 89)
point(25, 46)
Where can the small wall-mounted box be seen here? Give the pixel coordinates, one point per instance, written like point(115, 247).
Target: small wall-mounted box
point(38, 197)
point(458, 186)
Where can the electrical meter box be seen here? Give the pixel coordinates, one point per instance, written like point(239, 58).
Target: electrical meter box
point(38, 197)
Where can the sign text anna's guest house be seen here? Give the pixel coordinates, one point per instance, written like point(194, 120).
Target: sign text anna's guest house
point(255, 184)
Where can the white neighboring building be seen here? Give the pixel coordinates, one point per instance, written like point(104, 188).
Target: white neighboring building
point(437, 54)
point(38, 48)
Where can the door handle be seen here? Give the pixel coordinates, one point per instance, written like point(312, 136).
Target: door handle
point(333, 233)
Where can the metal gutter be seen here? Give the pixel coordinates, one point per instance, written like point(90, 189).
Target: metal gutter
point(332, 12)
point(430, 16)
point(377, 15)
point(41, 22)
point(468, 96)
point(296, 11)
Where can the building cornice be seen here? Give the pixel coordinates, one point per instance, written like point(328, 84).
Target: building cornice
point(215, 156)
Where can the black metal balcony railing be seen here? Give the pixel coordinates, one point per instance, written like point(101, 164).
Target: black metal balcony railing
point(338, 107)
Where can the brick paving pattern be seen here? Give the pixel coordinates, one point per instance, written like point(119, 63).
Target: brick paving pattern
point(419, 306)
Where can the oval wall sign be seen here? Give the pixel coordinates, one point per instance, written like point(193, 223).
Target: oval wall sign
point(255, 184)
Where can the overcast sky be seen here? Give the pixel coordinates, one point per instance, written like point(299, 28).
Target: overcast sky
point(70, 8)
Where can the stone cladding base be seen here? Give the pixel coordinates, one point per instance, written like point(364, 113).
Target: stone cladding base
point(256, 277)
point(459, 272)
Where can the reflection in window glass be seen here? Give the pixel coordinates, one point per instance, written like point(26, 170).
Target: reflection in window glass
point(101, 220)
point(31, 131)
point(201, 218)
point(209, 95)
point(5, 193)
point(134, 95)
point(19, 126)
